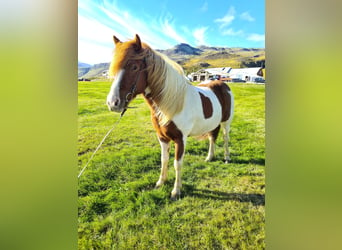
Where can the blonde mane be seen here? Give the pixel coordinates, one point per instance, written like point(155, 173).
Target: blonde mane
point(168, 85)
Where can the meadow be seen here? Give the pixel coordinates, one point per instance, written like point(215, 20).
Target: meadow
point(222, 206)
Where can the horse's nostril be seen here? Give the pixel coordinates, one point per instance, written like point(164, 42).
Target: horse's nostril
point(117, 102)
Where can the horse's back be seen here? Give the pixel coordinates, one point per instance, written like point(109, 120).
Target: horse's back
point(216, 86)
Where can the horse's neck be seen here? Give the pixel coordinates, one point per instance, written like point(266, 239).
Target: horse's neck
point(153, 103)
point(159, 112)
point(155, 112)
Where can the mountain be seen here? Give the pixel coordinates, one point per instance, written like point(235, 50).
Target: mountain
point(206, 48)
point(182, 49)
point(83, 65)
point(181, 52)
point(215, 57)
point(83, 68)
point(95, 71)
point(193, 59)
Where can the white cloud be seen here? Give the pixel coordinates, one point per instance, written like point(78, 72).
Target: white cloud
point(91, 53)
point(95, 44)
point(231, 32)
point(92, 30)
point(227, 19)
point(170, 31)
point(199, 35)
point(120, 24)
point(98, 23)
point(256, 37)
point(247, 17)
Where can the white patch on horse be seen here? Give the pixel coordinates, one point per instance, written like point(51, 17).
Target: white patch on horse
point(114, 93)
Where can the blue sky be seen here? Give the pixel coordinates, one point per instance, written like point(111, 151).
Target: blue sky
point(164, 23)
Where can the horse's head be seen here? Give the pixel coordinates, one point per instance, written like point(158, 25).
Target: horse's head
point(129, 70)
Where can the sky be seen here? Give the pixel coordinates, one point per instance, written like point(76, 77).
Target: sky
point(163, 24)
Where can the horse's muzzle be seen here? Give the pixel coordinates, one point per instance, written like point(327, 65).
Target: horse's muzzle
point(115, 105)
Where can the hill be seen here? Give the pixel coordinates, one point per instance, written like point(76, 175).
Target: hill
point(193, 59)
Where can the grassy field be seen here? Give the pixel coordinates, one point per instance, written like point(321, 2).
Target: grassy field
point(222, 206)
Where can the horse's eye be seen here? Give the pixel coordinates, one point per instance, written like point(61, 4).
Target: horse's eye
point(134, 67)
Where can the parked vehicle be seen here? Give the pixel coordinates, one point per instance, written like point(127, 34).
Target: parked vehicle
point(213, 78)
point(84, 79)
point(237, 80)
point(259, 80)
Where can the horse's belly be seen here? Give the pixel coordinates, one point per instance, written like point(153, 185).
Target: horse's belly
point(203, 126)
point(194, 124)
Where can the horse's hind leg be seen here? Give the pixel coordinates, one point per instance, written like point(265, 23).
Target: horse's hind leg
point(165, 148)
point(226, 129)
point(212, 138)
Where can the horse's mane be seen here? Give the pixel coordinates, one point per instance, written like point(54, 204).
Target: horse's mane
point(165, 78)
point(168, 85)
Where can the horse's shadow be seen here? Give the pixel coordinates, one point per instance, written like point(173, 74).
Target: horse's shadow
point(256, 161)
point(255, 199)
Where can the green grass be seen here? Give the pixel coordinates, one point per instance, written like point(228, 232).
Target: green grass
point(222, 206)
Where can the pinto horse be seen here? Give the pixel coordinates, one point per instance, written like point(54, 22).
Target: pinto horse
point(178, 109)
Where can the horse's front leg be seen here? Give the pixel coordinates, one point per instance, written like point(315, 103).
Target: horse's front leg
point(165, 148)
point(178, 163)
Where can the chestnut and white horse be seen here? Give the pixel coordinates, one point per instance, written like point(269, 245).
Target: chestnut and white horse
point(178, 109)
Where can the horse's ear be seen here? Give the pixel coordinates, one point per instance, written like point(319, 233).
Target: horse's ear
point(137, 43)
point(116, 40)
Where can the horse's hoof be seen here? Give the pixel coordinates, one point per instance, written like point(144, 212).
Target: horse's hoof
point(175, 196)
point(226, 161)
point(159, 184)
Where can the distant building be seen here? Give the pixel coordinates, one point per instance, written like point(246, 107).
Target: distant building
point(105, 74)
point(246, 74)
point(210, 73)
point(228, 74)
